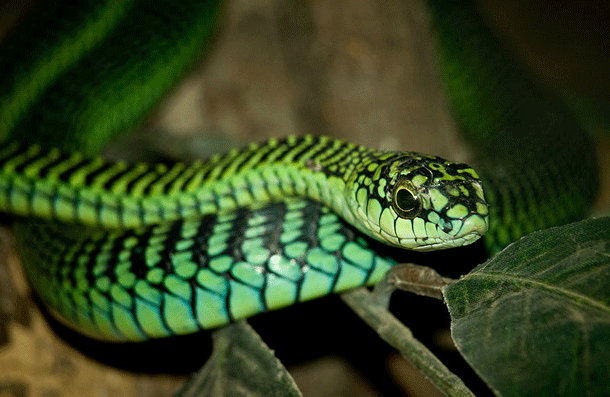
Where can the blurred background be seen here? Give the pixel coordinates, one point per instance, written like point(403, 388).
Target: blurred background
point(361, 70)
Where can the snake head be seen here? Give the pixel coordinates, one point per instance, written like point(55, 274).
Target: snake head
point(420, 202)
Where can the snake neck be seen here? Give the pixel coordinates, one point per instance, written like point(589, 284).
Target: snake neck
point(71, 187)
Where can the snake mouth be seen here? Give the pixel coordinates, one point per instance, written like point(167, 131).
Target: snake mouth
point(470, 230)
point(432, 235)
point(433, 244)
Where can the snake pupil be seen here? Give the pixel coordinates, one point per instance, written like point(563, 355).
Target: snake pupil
point(405, 200)
point(406, 203)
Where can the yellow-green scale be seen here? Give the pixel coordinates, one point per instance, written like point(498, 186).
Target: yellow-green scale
point(102, 194)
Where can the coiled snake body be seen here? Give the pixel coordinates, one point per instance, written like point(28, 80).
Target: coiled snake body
point(133, 251)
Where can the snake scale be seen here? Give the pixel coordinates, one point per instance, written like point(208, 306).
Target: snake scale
point(128, 252)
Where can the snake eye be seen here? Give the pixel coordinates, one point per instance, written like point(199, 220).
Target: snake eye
point(405, 200)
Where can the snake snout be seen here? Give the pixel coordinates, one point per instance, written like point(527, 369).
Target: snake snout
point(475, 226)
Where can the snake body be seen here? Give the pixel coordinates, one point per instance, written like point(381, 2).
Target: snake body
point(133, 251)
point(193, 247)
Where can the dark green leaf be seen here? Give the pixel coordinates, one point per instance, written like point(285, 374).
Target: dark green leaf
point(535, 319)
point(241, 365)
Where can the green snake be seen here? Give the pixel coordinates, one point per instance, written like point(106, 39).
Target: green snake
point(130, 252)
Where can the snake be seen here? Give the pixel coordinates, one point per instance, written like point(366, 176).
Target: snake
point(125, 251)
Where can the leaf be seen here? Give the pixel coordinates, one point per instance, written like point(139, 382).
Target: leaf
point(241, 365)
point(535, 319)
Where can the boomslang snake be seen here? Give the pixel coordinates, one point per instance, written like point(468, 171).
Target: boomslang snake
point(133, 251)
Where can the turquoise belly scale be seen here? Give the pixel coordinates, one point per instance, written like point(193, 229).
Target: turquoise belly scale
point(184, 276)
